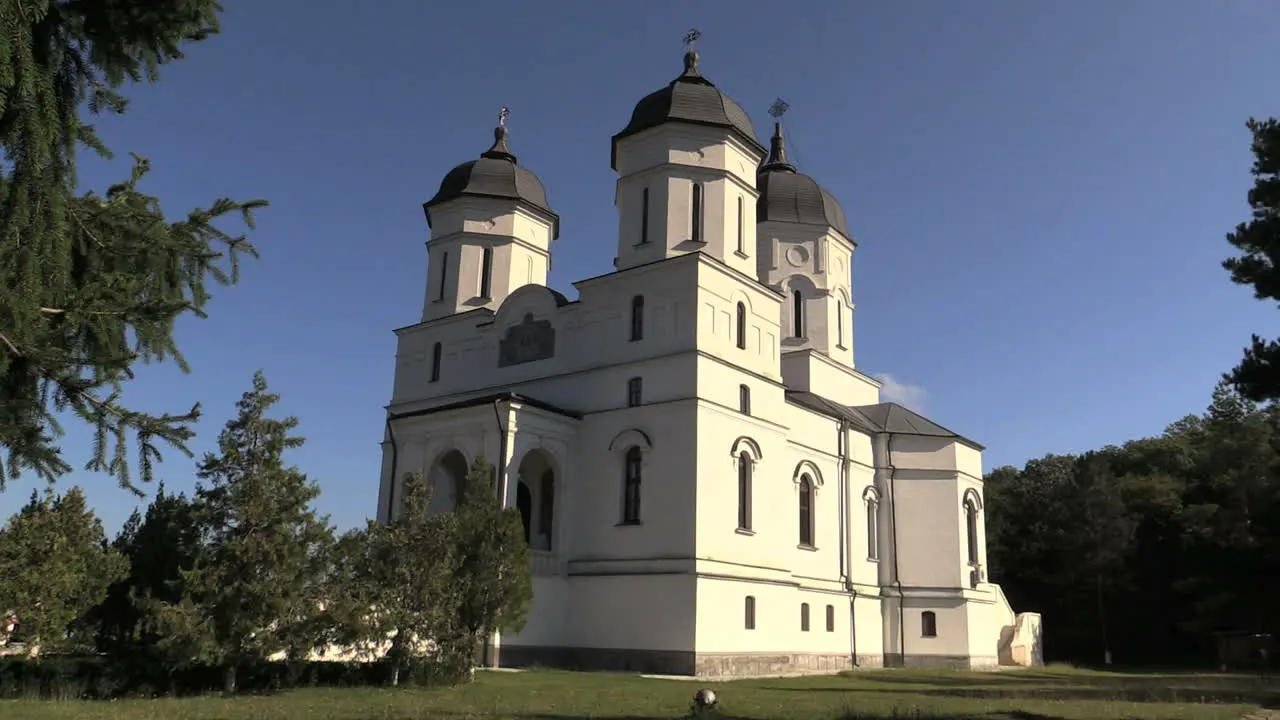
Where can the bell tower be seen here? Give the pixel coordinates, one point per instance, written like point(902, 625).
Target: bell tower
point(686, 165)
point(491, 232)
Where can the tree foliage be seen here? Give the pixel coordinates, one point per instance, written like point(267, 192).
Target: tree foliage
point(55, 566)
point(257, 582)
point(1258, 375)
point(92, 284)
point(1146, 549)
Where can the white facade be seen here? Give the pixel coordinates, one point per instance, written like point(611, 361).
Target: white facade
point(708, 488)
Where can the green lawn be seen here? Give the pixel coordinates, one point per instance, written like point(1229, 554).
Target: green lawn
point(1041, 694)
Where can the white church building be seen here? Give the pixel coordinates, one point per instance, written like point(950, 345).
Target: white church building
point(709, 486)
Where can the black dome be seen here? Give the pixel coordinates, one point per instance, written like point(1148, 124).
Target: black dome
point(691, 99)
point(494, 174)
point(788, 196)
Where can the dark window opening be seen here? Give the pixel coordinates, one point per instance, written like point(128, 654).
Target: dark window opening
point(695, 233)
point(437, 351)
point(742, 326)
point(928, 624)
point(804, 617)
point(637, 318)
point(644, 216)
point(444, 274)
point(635, 389)
point(631, 488)
point(744, 399)
point(486, 273)
point(831, 618)
point(797, 314)
point(806, 511)
point(749, 622)
point(744, 491)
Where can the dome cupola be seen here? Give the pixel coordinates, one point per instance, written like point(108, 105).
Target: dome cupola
point(691, 99)
point(788, 196)
point(495, 174)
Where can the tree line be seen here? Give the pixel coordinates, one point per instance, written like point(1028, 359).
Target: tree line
point(245, 572)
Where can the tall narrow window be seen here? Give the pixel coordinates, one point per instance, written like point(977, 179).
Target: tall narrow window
point(744, 491)
point(742, 326)
point(831, 618)
point(436, 352)
point(873, 530)
point(840, 323)
point(804, 617)
point(744, 399)
point(742, 233)
point(749, 608)
point(971, 529)
point(635, 391)
point(695, 206)
point(486, 273)
point(806, 511)
point(444, 274)
point(644, 216)
point(928, 624)
point(631, 488)
point(797, 314)
point(637, 318)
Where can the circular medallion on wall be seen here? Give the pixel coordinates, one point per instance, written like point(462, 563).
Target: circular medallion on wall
point(797, 255)
point(491, 224)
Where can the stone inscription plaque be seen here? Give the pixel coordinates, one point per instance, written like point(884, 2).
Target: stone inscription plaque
point(529, 341)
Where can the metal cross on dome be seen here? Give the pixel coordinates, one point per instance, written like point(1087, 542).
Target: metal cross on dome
point(502, 116)
point(691, 38)
point(779, 108)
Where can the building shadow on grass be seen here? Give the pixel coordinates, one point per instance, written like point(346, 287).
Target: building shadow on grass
point(1065, 691)
point(846, 715)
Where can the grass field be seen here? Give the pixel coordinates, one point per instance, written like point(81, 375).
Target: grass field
point(1041, 694)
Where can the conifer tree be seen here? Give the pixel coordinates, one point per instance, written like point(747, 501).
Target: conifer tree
point(1257, 377)
point(91, 284)
point(395, 582)
point(494, 580)
point(55, 565)
point(259, 576)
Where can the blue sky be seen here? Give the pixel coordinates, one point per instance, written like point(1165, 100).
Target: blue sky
point(1040, 192)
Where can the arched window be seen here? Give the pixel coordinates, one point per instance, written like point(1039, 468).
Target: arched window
point(804, 617)
point(742, 326)
point(637, 318)
point(444, 274)
point(695, 206)
point(928, 624)
point(644, 216)
point(749, 608)
point(631, 488)
point(436, 352)
point(742, 233)
point(744, 399)
point(744, 490)
point(806, 511)
point(486, 273)
point(971, 529)
point(831, 618)
point(797, 314)
point(873, 529)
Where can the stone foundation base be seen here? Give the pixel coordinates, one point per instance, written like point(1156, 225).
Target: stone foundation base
point(686, 663)
point(941, 662)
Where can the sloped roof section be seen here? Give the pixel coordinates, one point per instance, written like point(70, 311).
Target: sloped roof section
point(879, 418)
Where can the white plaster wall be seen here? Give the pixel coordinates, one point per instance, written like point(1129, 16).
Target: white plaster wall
point(548, 615)
point(808, 369)
point(642, 612)
point(721, 626)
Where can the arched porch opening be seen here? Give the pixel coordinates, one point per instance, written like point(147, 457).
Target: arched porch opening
point(446, 478)
point(537, 488)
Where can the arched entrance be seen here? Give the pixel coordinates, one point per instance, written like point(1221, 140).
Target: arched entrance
point(446, 478)
point(538, 484)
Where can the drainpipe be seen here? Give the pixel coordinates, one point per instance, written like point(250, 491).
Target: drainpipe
point(846, 549)
point(395, 457)
point(897, 576)
point(500, 476)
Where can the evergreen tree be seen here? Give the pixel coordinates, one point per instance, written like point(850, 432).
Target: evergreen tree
point(90, 284)
point(1257, 377)
point(259, 577)
point(494, 580)
point(55, 565)
point(396, 582)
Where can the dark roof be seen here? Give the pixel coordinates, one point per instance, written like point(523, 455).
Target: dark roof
point(494, 174)
point(786, 195)
point(690, 99)
point(880, 418)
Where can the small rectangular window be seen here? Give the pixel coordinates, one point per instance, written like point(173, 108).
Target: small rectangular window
point(749, 622)
point(831, 618)
point(928, 624)
point(744, 399)
point(804, 617)
point(742, 235)
point(634, 390)
point(873, 531)
point(695, 230)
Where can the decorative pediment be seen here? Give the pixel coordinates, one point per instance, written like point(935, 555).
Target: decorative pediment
point(528, 341)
